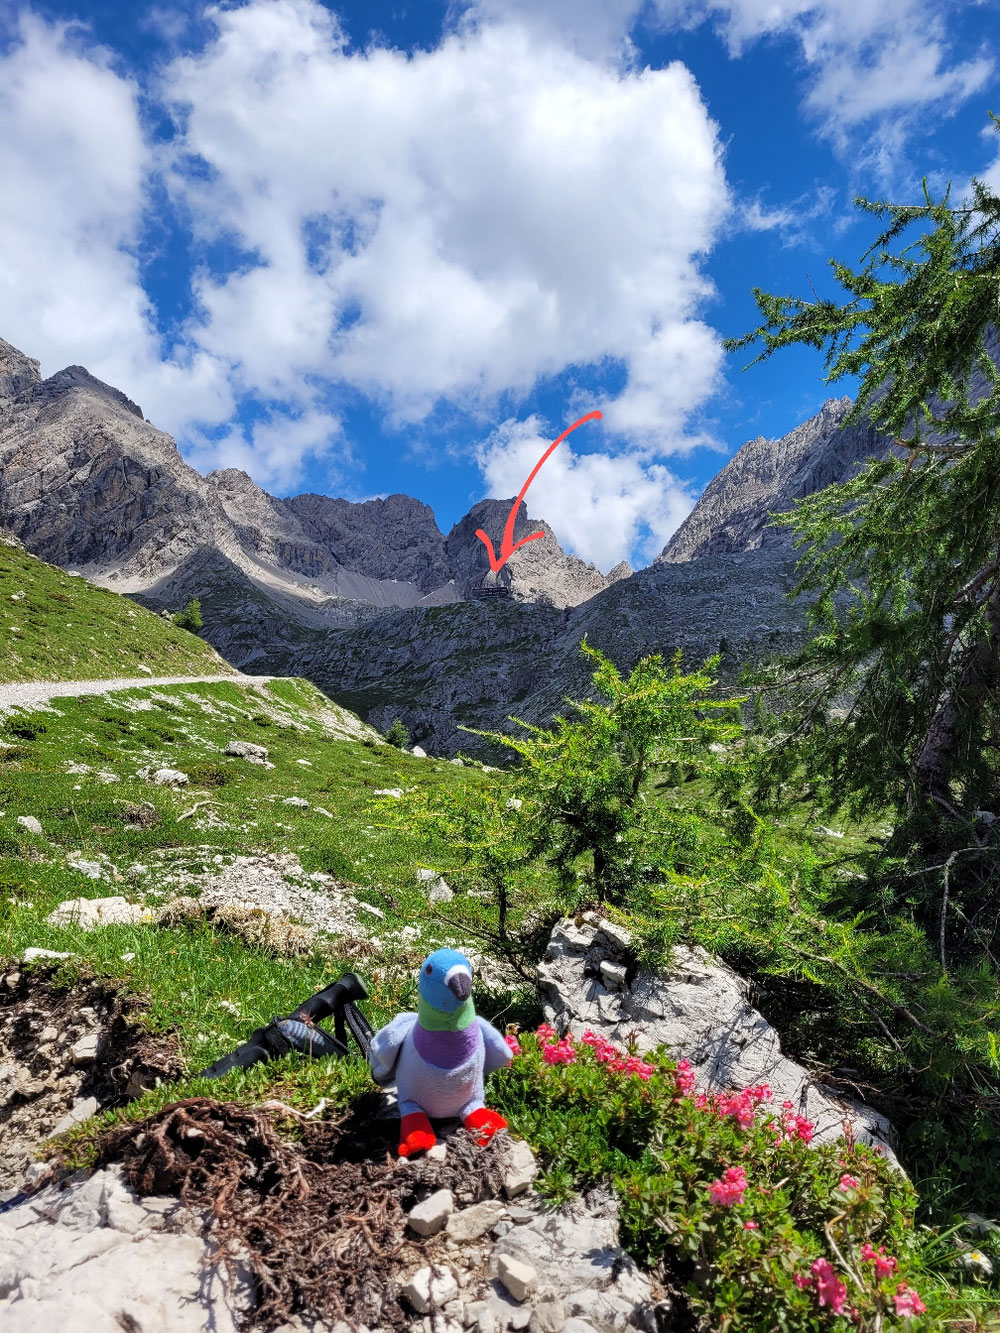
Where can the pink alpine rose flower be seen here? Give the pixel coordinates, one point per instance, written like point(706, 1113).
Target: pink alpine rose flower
point(908, 1302)
point(830, 1289)
point(729, 1190)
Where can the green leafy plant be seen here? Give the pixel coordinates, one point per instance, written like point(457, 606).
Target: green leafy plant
point(397, 734)
point(190, 618)
point(763, 1228)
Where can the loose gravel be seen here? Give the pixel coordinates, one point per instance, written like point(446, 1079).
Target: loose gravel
point(39, 692)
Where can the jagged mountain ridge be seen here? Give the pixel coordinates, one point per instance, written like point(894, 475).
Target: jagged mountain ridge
point(355, 597)
point(87, 482)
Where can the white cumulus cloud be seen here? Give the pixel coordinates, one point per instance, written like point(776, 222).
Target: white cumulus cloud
point(602, 507)
point(452, 226)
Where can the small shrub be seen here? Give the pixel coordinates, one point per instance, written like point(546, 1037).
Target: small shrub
point(26, 729)
point(397, 734)
point(190, 618)
point(208, 775)
point(766, 1230)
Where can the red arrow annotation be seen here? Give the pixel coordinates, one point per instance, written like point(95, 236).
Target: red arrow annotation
point(508, 546)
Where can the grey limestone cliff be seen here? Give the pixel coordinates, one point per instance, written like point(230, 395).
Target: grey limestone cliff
point(766, 477)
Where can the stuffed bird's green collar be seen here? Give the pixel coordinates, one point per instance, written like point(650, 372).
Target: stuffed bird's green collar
point(433, 1020)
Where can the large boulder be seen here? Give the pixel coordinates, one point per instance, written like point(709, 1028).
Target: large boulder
point(97, 1256)
point(700, 1009)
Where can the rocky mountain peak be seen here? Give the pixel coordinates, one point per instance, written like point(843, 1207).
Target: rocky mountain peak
point(541, 571)
point(766, 477)
point(17, 371)
point(79, 377)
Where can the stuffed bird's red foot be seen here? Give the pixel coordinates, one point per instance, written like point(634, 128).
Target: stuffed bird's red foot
point(415, 1134)
point(483, 1124)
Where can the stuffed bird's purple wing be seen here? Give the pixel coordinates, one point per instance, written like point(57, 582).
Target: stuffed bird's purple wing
point(498, 1053)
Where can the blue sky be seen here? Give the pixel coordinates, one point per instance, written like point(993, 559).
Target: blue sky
point(364, 248)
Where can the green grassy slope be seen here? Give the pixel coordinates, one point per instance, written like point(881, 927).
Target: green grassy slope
point(57, 627)
point(187, 727)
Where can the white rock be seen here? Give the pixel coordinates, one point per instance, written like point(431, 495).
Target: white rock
point(30, 824)
point(514, 803)
point(247, 750)
point(375, 911)
point(441, 892)
point(430, 1288)
point(613, 975)
point(519, 1279)
point(471, 1223)
point(30, 955)
point(457, 762)
point(92, 869)
point(425, 876)
point(170, 777)
point(429, 1216)
point(395, 792)
point(520, 1168)
point(418, 753)
point(84, 1051)
point(92, 912)
point(82, 1111)
point(304, 762)
point(298, 802)
point(700, 1009)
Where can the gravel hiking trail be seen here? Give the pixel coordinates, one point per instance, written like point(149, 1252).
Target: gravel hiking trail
point(39, 692)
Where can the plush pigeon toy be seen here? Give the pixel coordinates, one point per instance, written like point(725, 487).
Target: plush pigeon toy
point(440, 1056)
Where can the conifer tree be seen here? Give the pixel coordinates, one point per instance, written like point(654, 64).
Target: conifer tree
point(904, 558)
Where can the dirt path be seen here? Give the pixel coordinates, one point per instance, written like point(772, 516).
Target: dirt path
point(39, 692)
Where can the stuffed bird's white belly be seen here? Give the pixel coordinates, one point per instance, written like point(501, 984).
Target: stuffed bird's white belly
point(441, 1093)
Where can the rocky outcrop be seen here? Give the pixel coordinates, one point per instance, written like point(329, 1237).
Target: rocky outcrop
point(700, 1010)
point(539, 572)
point(93, 1254)
point(766, 477)
point(392, 538)
point(17, 371)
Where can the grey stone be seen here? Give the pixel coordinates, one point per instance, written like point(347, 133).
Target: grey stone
point(430, 1288)
point(418, 753)
point(699, 1009)
point(613, 975)
point(297, 802)
point(32, 954)
point(430, 1215)
point(548, 1314)
point(84, 1051)
point(519, 1278)
point(97, 1257)
point(247, 750)
point(30, 824)
point(471, 1223)
point(170, 777)
point(76, 1116)
point(441, 892)
point(520, 1167)
point(92, 912)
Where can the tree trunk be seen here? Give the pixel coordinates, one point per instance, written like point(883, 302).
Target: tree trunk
point(977, 677)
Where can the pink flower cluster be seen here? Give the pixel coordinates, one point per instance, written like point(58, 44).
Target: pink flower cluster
point(885, 1264)
point(908, 1302)
point(831, 1289)
point(685, 1077)
point(847, 1182)
point(563, 1051)
point(559, 1052)
point(793, 1126)
point(740, 1105)
point(729, 1190)
point(514, 1044)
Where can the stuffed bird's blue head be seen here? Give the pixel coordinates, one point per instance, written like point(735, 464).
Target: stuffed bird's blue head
point(445, 988)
